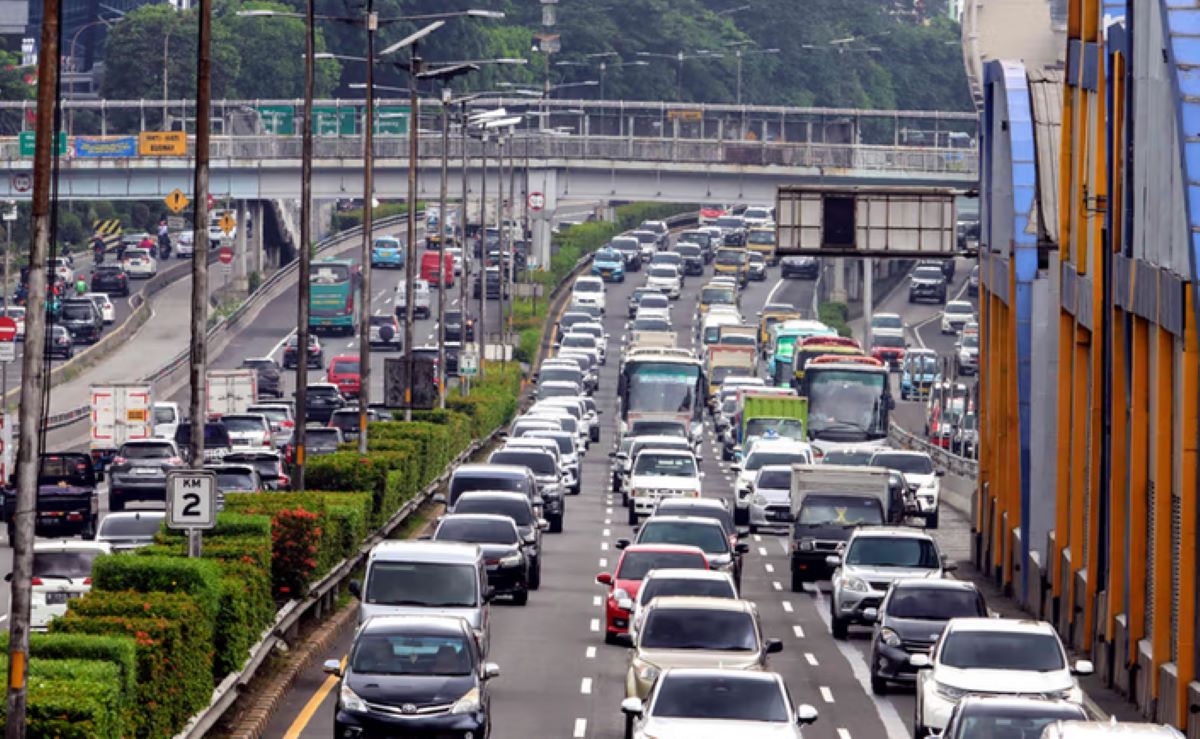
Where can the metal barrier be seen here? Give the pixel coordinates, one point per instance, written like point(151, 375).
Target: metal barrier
point(950, 462)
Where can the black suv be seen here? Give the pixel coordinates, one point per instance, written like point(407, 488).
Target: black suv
point(59, 342)
point(316, 357)
point(927, 282)
point(270, 377)
point(80, 317)
point(321, 400)
point(456, 329)
point(66, 496)
point(111, 279)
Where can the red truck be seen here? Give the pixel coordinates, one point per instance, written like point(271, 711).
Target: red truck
point(430, 272)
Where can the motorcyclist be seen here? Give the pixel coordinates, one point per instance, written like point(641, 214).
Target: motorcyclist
point(146, 243)
point(164, 240)
point(98, 249)
point(81, 287)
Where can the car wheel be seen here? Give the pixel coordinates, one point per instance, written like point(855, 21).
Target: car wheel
point(556, 524)
point(535, 576)
point(611, 638)
point(797, 582)
point(878, 684)
point(931, 520)
point(115, 503)
point(88, 529)
point(633, 517)
point(521, 598)
point(12, 532)
point(741, 516)
point(840, 627)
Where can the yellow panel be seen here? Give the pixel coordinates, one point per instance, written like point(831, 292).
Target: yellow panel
point(1062, 509)
point(1118, 482)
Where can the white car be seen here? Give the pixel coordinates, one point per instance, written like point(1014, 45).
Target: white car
point(689, 703)
point(17, 313)
point(996, 657)
point(139, 263)
point(668, 582)
point(588, 292)
point(248, 431)
point(665, 277)
point(107, 310)
point(457, 254)
point(887, 324)
point(770, 498)
point(422, 303)
point(166, 419)
point(955, 315)
point(184, 244)
point(62, 269)
point(657, 473)
point(62, 571)
point(757, 216)
point(763, 452)
point(129, 530)
point(923, 480)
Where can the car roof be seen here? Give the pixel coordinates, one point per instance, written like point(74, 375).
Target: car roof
point(904, 453)
point(396, 550)
point(682, 573)
point(699, 602)
point(698, 520)
point(891, 532)
point(722, 674)
point(67, 545)
point(481, 517)
point(1000, 705)
point(134, 515)
point(1099, 730)
point(474, 470)
point(1010, 625)
point(231, 467)
point(412, 622)
point(781, 445)
point(693, 503)
point(147, 442)
point(677, 548)
point(493, 495)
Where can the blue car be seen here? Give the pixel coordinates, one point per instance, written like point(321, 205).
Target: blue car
point(609, 265)
point(918, 373)
point(387, 251)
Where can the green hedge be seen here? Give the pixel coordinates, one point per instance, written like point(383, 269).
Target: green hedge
point(631, 216)
point(835, 316)
point(174, 642)
point(374, 473)
point(74, 699)
point(246, 609)
point(345, 518)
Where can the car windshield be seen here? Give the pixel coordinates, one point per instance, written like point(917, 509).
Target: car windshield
point(1016, 727)
point(139, 526)
point(146, 451)
point(228, 480)
point(959, 309)
point(761, 237)
point(761, 459)
point(705, 535)
point(73, 469)
point(428, 584)
point(344, 367)
point(65, 565)
point(721, 698)
point(927, 273)
point(694, 628)
point(653, 300)
point(716, 296)
point(849, 457)
point(267, 467)
point(729, 256)
point(566, 445)
point(518, 510)
point(78, 311)
point(658, 428)
point(589, 286)
point(788, 428)
point(608, 255)
point(969, 421)
point(465, 483)
point(242, 425)
point(651, 324)
point(887, 321)
point(272, 413)
point(890, 341)
point(687, 250)
point(635, 565)
point(909, 464)
point(164, 415)
point(478, 531)
point(729, 222)
point(321, 438)
point(1001, 650)
point(774, 480)
point(934, 604)
point(540, 463)
point(381, 654)
point(668, 273)
point(880, 551)
point(718, 374)
point(922, 363)
point(558, 391)
point(971, 341)
point(560, 374)
point(663, 587)
point(820, 510)
point(666, 466)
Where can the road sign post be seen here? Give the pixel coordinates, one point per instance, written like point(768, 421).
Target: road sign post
point(537, 201)
point(192, 504)
point(176, 200)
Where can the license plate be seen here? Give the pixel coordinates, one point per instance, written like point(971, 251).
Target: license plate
point(493, 568)
point(145, 471)
point(58, 599)
point(779, 515)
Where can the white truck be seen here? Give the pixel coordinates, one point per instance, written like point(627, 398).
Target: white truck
point(230, 391)
point(120, 412)
point(827, 503)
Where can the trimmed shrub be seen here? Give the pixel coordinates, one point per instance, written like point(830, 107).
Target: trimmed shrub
point(74, 699)
point(119, 650)
point(295, 540)
point(198, 578)
point(835, 316)
point(246, 609)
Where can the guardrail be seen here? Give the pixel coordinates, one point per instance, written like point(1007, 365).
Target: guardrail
point(961, 466)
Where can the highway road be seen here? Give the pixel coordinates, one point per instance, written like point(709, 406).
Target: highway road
point(560, 679)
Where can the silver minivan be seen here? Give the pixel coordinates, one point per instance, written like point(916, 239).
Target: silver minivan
point(424, 578)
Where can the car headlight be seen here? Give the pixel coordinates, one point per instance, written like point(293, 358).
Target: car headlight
point(469, 703)
point(350, 700)
point(854, 584)
point(948, 692)
point(646, 672)
point(759, 500)
point(620, 595)
point(1065, 694)
point(889, 637)
point(808, 544)
point(510, 560)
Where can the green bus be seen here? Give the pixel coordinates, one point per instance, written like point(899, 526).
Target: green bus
point(333, 298)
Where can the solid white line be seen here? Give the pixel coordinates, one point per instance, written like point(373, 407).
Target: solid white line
point(826, 694)
point(771, 294)
point(783, 546)
point(597, 601)
point(590, 653)
point(798, 630)
point(580, 728)
point(585, 686)
point(787, 606)
point(595, 624)
point(769, 567)
point(812, 658)
point(279, 346)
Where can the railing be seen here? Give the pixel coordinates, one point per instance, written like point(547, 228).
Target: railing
point(954, 463)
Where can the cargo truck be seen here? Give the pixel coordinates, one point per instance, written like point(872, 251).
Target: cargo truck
point(120, 412)
point(230, 391)
point(828, 502)
point(728, 361)
point(762, 414)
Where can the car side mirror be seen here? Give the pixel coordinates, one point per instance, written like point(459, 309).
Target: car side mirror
point(806, 714)
point(774, 646)
point(833, 560)
point(356, 589)
point(489, 594)
point(736, 466)
point(622, 543)
point(631, 707)
point(741, 548)
point(920, 661)
point(543, 524)
point(612, 455)
point(940, 473)
point(490, 670)
point(332, 667)
point(604, 578)
point(1083, 667)
point(950, 566)
point(871, 615)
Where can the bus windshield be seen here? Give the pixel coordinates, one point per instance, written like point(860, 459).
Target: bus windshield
point(847, 405)
point(663, 387)
point(329, 273)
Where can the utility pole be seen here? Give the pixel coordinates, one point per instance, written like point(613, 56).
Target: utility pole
point(502, 282)
point(364, 309)
point(443, 221)
point(302, 297)
point(464, 244)
point(199, 348)
point(414, 123)
point(512, 219)
point(29, 420)
point(483, 250)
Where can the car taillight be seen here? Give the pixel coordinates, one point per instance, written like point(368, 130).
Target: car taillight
point(266, 442)
point(175, 461)
point(37, 581)
point(285, 481)
point(87, 581)
point(119, 460)
point(288, 424)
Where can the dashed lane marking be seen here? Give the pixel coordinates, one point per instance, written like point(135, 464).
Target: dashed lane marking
point(608, 522)
point(787, 606)
point(843, 733)
point(769, 567)
point(604, 546)
point(826, 694)
point(811, 659)
point(798, 630)
point(590, 653)
point(597, 601)
point(777, 585)
point(757, 537)
point(603, 562)
point(607, 532)
point(585, 686)
point(762, 551)
point(595, 625)
point(580, 728)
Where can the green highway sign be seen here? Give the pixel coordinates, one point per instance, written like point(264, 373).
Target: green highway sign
point(29, 139)
point(278, 119)
point(392, 120)
point(334, 121)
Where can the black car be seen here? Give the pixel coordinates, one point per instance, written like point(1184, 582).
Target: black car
point(635, 298)
point(1008, 716)
point(111, 279)
point(502, 545)
point(413, 676)
point(805, 267)
point(270, 376)
point(927, 282)
point(66, 496)
point(544, 467)
point(316, 355)
point(139, 471)
point(80, 317)
point(631, 250)
point(346, 419)
point(455, 328)
point(494, 284)
point(910, 619)
point(702, 239)
point(271, 466)
point(973, 281)
point(217, 442)
point(59, 342)
point(520, 510)
point(693, 258)
point(321, 401)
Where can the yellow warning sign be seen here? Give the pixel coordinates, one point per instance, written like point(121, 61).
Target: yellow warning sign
point(227, 222)
point(176, 201)
point(162, 143)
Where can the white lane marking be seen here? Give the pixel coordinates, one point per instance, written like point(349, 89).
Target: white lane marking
point(608, 511)
point(603, 562)
point(811, 658)
point(3, 619)
point(387, 301)
point(595, 624)
point(757, 537)
point(787, 606)
point(798, 630)
point(843, 733)
point(585, 686)
point(762, 551)
point(590, 653)
point(608, 522)
point(580, 728)
point(607, 532)
point(771, 294)
point(378, 311)
point(777, 585)
point(769, 567)
point(597, 601)
point(783, 545)
point(604, 546)
point(279, 346)
point(826, 694)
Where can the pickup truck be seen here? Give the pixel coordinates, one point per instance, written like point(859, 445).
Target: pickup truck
point(67, 500)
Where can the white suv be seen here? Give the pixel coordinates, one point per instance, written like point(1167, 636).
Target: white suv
point(62, 572)
point(874, 558)
point(658, 473)
point(588, 292)
point(764, 452)
point(923, 481)
point(993, 656)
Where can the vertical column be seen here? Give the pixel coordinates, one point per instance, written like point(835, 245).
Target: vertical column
point(1139, 510)
point(1162, 446)
point(1118, 484)
point(257, 228)
point(241, 275)
point(1062, 518)
point(1186, 461)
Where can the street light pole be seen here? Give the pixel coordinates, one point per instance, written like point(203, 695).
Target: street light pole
point(302, 294)
point(199, 347)
point(464, 220)
point(443, 220)
point(501, 282)
point(414, 124)
point(483, 175)
point(364, 308)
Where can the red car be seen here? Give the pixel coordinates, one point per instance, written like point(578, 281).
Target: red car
point(625, 581)
point(343, 372)
point(889, 349)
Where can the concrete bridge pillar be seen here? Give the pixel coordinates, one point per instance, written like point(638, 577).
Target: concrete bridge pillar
point(256, 237)
point(837, 292)
point(241, 281)
point(545, 182)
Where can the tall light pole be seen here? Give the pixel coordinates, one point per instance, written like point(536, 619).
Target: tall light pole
point(364, 308)
point(302, 294)
point(679, 58)
point(603, 66)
